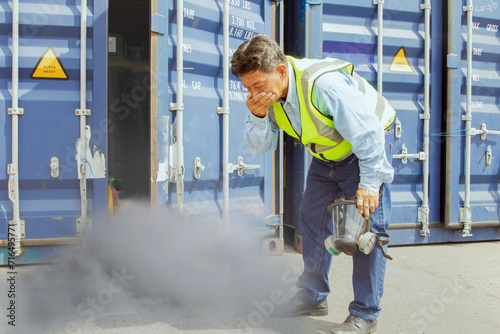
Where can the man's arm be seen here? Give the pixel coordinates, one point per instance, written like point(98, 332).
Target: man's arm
point(261, 135)
point(335, 94)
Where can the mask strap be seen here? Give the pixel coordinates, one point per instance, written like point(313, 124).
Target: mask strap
point(382, 240)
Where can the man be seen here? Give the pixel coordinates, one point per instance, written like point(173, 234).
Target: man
point(341, 119)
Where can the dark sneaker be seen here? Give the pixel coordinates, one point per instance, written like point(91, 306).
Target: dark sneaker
point(296, 307)
point(355, 325)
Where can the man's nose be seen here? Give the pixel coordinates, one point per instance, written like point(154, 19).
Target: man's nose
point(254, 91)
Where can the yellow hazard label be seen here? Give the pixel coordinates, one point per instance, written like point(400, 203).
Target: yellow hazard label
point(400, 62)
point(49, 67)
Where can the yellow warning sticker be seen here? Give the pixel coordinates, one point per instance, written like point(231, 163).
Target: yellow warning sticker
point(400, 62)
point(49, 67)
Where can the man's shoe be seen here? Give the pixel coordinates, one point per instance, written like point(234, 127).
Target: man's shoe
point(296, 307)
point(355, 325)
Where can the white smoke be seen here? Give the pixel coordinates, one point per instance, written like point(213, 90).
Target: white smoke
point(145, 262)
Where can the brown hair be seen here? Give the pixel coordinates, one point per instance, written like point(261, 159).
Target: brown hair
point(258, 53)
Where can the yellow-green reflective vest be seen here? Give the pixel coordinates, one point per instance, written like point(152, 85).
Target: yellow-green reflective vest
point(318, 132)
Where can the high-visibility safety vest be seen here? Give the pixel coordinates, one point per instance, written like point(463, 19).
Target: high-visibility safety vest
point(318, 131)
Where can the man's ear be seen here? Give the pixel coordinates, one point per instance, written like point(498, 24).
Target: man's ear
point(282, 70)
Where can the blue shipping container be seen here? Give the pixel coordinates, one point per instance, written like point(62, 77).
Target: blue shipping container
point(473, 116)
point(199, 159)
point(193, 133)
point(427, 85)
point(47, 103)
point(191, 156)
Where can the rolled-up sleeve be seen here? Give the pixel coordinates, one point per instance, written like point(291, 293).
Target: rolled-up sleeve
point(335, 94)
point(261, 135)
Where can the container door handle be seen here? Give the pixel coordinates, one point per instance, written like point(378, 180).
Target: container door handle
point(240, 166)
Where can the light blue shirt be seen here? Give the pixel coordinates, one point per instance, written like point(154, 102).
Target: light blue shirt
point(334, 94)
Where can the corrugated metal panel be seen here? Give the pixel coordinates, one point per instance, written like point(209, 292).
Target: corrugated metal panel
point(350, 30)
point(484, 109)
point(250, 194)
point(49, 127)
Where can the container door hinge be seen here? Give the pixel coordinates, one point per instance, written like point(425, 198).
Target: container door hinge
point(83, 226)
point(424, 116)
point(426, 5)
point(423, 217)
point(15, 111)
point(221, 111)
point(404, 156)
point(22, 227)
point(274, 220)
point(240, 166)
point(465, 216)
point(176, 107)
point(197, 168)
point(158, 24)
point(398, 129)
point(83, 112)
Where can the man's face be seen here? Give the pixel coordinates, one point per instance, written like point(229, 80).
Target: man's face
point(276, 82)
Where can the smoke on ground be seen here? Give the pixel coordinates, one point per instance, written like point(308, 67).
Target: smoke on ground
point(149, 261)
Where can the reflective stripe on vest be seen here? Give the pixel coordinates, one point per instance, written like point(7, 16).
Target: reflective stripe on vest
point(318, 131)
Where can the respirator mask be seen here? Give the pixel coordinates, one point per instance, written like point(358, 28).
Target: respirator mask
point(351, 231)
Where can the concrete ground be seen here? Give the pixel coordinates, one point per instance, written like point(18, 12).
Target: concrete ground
point(449, 288)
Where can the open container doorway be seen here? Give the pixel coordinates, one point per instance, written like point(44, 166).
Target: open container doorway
point(129, 98)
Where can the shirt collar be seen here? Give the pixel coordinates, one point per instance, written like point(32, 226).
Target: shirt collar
point(291, 97)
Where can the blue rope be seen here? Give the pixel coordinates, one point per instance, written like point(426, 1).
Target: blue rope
point(97, 182)
point(448, 134)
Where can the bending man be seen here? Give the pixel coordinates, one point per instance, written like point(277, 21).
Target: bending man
point(342, 121)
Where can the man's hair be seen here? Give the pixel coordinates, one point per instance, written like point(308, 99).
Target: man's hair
point(258, 53)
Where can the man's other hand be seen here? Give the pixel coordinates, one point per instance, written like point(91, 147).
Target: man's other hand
point(367, 201)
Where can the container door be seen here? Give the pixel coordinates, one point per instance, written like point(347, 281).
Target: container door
point(446, 176)
point(473, 119)
point(50, 104)
point(187, 154)
point(386, 43)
